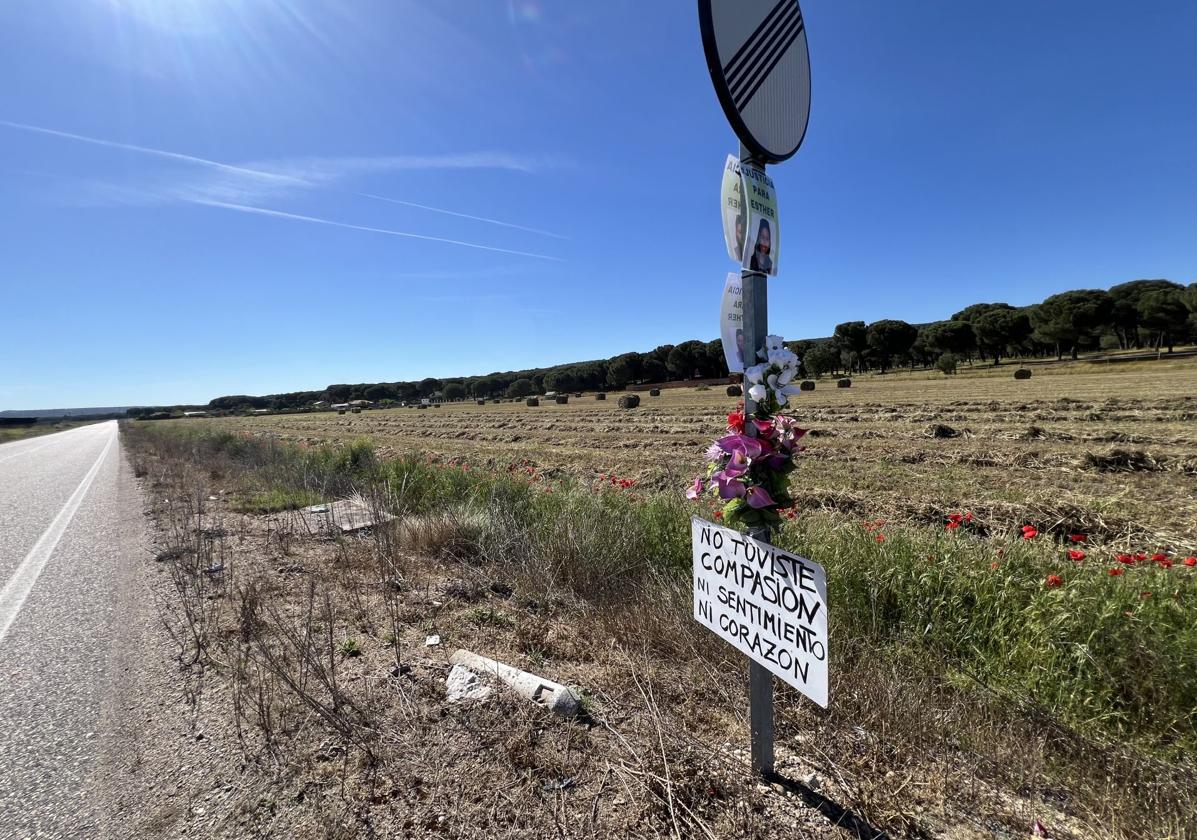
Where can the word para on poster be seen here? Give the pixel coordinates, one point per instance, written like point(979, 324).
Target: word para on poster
point(767, 603)
point(735, 209)
point(731, 323)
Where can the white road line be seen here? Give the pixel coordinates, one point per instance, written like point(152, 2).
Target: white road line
point(13, 596)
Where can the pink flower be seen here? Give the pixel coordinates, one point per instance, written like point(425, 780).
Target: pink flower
point(729, 488)
point(695, 489)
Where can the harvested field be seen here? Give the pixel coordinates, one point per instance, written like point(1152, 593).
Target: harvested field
point(1110, 451)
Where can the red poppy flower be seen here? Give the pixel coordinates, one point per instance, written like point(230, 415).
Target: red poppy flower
point(968, 517)
point(881, 538)
point(1140, 557)
point(994, 565)
point(1125, 558)
point(735, 421)
point(1165, 564)
point(1076, 554)
point(1053, 581)
point(1029, 532)
point(952, 526)
point(718, 514)
point(1116, 571)
point(955, 518)
point(1191, 561)
point(1078, 538)
point(1159, 557)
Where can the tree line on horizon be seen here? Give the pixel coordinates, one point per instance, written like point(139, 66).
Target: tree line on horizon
point(1137, 314)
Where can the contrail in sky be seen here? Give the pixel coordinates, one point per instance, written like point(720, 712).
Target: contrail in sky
point(279, 214)
point(279, 178)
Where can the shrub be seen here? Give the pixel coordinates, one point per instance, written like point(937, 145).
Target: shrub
point(629, 401)
point(946, 364)
point(1022, 373)
point(843, 383)
point(807, 385)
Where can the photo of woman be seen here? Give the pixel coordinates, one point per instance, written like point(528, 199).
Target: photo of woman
point(761, 257)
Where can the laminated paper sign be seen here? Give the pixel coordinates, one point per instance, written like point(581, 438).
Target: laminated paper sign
point(731, 323)
point(767, 603)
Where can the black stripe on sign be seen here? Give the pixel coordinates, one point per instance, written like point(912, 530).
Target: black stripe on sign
point(729, 68)
point(779, 54)
point(748, 70)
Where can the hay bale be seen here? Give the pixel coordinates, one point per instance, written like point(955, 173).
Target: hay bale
point(655, 392)
point(436, 405)
point(600, 396)
point(1022, 373)
point(496, 402)
point(532, 402)
point(480, 402)
point(421, 406)
point(629, 401)
point(939, 430)
point(807, 385)
point(562, 399)
point(735, 391)
point(843, 383)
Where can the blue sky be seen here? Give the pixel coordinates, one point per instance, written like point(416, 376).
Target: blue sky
point(237, 229)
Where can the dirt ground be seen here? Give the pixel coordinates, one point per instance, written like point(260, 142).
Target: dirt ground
point(1110, 450)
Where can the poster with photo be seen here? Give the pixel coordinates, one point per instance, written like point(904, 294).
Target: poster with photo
point(760, 196)
point(760, 252)
point(731, 323)
point(735, 209)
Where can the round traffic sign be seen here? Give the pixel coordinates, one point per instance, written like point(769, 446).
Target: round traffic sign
point(756, 52)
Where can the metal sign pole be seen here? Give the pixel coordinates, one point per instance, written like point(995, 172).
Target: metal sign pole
point(756, 327)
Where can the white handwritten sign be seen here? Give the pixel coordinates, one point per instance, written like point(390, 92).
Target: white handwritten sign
point(769, 604)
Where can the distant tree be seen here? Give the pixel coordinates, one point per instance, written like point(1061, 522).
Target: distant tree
point(999, 329)
point(1189, 296)
point(1164, 314)
point(1072, 319)
point(714, 363)
point(623, 369)
point(519, 389)
point(428, 386)
point(822, 358)
point(453, 391)
point(538, 383)
point(379, 392)
point(889, 338)
point(559, 380)
point(681, 360)
point(970, 314)
point(483, 386)
point(956, 337)
point(946, 363)
point(338, 393)
point(851, 338)
point(655, 370)
point(1125, 315)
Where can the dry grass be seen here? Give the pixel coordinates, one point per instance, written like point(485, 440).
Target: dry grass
point(1108, 449)
point(366, 745)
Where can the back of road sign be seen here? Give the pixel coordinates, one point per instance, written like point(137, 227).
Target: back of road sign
point(757, 54)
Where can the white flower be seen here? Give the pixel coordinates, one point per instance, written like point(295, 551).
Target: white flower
point(756, 373)
point(783, 358)
point(756, 393)
point(783, 394)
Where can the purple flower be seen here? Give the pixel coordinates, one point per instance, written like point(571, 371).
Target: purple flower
point(737, 464)
point(758, 497)
point(751, 447)
point(695, 490)
point(729, 488)
point(715, 453)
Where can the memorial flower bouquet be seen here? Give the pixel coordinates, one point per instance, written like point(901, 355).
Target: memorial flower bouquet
point(748, 468)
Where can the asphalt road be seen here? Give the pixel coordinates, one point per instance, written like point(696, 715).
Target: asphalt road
point(69, 530)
